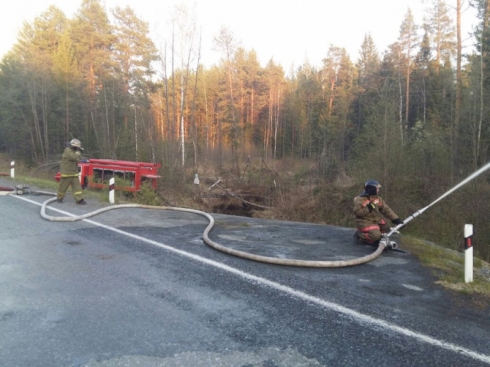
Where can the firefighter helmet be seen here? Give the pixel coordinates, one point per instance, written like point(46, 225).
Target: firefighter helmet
point(371, 187)
point(76, 144)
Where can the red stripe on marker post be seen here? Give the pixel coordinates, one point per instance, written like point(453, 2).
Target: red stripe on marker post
point(468, 253)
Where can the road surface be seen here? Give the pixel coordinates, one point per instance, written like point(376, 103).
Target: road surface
point(136, 287)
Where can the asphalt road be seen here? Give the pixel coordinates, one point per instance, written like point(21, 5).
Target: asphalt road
point(135, 287)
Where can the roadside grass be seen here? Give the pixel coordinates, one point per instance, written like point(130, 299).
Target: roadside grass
point(145, 197)
point(33, 181)
point(231, 225)
point(39, 184)
point(448, 267)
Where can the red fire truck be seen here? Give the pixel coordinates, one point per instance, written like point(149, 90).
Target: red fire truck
point(129, 176)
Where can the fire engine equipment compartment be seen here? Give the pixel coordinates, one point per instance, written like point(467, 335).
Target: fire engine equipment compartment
point(96, 173)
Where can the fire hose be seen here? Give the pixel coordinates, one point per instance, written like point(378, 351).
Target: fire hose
point(384, 242)
point(206, 239)
point(216, 246)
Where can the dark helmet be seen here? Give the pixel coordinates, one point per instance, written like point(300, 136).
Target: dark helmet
point(371, 187)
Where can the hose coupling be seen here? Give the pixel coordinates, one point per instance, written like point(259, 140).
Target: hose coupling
point(21, 189)
point(389, 245)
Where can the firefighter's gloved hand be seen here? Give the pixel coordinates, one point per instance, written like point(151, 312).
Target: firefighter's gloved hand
point(397, 221)
point(371, 206)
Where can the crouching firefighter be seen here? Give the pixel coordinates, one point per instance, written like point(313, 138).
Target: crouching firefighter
point(369, 209)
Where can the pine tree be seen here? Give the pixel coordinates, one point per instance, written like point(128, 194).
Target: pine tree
point(133, 52)
point(92, 37)
point(37, 45)
point(369, 80)
point(408, 40)
point(66, 73)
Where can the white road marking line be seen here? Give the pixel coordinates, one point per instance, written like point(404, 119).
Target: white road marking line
point(356, 316)
point(413, 287)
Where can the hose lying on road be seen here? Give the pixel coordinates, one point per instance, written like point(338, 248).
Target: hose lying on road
point(216, 246)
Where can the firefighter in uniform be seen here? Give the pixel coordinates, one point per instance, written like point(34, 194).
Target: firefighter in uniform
point(69, 172)
point(368, 207)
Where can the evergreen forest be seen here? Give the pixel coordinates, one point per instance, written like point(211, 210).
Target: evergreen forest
point(415, 116)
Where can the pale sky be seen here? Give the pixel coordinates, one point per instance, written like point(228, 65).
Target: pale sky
point(289, 31)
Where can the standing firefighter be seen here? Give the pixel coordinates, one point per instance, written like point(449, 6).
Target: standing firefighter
point(69, 172)
point(369, 209)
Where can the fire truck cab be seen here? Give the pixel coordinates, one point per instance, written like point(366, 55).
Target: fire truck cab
point(96, 173)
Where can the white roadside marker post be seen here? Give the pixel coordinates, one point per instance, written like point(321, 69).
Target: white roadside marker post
point(111, 190)
point(12, 169)
point(468, 253)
